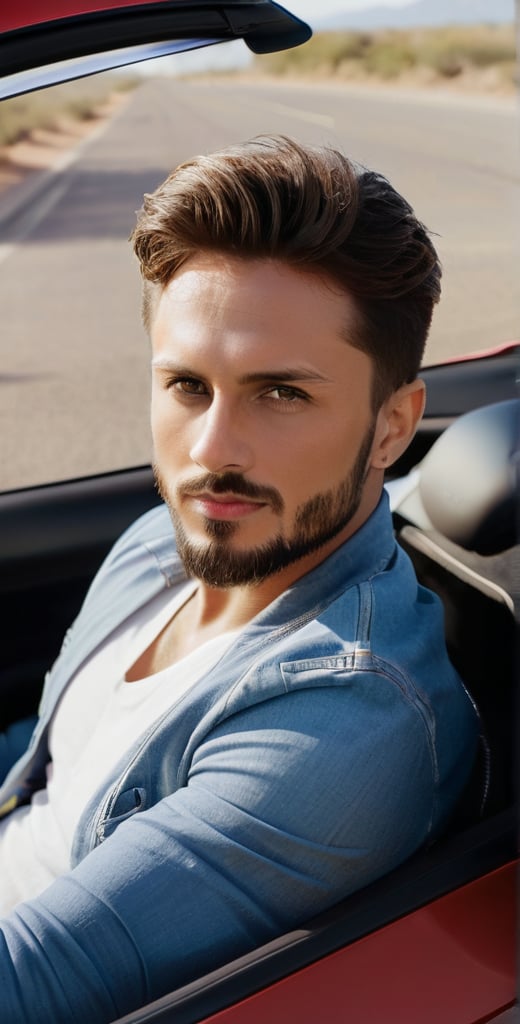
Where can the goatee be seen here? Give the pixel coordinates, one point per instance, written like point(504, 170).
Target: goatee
point(317, 521)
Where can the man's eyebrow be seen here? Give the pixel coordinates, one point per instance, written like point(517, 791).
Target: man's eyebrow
point(297, 374)
point(160, 363)
point(284, 375)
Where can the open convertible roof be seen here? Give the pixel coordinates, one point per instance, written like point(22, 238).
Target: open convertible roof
point(44, 43)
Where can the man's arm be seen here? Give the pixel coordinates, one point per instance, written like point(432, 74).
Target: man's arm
point(290, 805)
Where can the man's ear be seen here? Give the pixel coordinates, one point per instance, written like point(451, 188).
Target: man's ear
point(396, 423)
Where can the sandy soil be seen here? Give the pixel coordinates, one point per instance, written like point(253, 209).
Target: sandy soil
point(44, 148)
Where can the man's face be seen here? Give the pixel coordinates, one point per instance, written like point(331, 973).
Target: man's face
point(261, 418)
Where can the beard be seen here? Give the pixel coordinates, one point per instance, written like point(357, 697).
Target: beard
point(317, 521)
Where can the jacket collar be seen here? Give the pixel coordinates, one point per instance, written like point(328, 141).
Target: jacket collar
point(154, 565)
point(363, 555)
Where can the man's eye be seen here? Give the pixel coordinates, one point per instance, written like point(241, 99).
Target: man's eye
point(187, 386)
point(285, 394)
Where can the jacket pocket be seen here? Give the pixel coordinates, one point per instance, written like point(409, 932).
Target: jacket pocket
point(126, 805)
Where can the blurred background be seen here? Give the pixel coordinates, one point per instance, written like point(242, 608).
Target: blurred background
point(425, 92)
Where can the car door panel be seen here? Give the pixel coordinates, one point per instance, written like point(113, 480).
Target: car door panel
point(52, 541)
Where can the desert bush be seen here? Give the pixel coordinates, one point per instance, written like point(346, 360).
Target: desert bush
point(388, 53)
point(451, 49)
point(325, 50)
point(79, 100)
point(22, 115)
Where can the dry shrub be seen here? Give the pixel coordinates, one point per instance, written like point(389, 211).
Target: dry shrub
point(79, 100)
point(446, 51)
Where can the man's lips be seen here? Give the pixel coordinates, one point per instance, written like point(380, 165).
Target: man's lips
point(224, 506)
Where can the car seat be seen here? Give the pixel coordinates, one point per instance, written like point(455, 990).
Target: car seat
point(459, 525)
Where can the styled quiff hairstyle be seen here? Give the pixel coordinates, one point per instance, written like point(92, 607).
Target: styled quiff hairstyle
point(313, 210)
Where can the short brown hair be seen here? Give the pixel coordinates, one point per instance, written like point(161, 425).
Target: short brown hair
point(315, 210)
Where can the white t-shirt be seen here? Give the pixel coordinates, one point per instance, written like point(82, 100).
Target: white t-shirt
point(98, 719)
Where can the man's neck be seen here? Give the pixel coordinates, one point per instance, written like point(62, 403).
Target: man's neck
point(210, 611)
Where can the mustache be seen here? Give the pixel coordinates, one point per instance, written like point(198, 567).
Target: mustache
point(232, 483)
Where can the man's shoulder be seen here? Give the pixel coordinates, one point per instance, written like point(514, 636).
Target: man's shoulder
point(153, 531)
point(146, 548)
point(155, 524)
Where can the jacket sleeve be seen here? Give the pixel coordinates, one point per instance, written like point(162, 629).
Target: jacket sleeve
point(290, 805)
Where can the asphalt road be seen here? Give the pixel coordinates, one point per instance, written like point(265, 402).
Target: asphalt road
point(73, 370)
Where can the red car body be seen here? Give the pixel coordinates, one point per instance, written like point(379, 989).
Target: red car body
point(453, 960)
point(28, 13)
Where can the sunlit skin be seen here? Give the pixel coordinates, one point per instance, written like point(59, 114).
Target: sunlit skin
point(252, 374)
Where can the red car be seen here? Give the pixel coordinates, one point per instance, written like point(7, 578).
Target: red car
point(434, 941)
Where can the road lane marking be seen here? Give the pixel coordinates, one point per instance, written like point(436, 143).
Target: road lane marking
point(310, 116)
point(324, 120)
point(34, 216)
point(40, 206)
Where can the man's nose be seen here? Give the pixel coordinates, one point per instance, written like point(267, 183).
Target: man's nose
point(220, 441)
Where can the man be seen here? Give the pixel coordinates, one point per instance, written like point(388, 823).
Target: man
point(245, 727)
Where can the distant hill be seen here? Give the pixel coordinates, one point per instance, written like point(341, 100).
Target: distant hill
point(422, 13)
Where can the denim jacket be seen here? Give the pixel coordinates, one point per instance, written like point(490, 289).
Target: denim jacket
point(329, 742)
